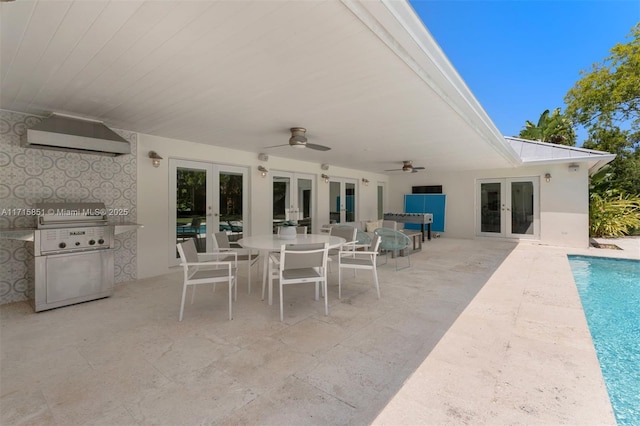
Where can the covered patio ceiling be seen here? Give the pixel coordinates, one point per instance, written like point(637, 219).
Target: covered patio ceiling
point(365, 78)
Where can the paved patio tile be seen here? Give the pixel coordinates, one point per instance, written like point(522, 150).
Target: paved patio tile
point(475, 332)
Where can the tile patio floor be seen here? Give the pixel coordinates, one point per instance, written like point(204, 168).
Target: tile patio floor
point(477, 332)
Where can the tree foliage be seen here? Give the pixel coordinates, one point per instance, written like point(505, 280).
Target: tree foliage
point(608, 95)
point(624, 171)
point(606, 100)
point(554, 128)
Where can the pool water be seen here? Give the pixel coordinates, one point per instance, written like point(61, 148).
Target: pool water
point(610, 293)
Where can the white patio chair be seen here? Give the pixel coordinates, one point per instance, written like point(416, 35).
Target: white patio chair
point(360, 260)
point(299, 230)
point(348, 233)
point(242, 255)
point(197, 271)
point(275, 259)
point(302, 263)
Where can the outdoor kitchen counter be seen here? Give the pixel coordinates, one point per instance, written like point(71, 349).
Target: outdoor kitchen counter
point(28, 234)
point(121, 228)
point(23, 234)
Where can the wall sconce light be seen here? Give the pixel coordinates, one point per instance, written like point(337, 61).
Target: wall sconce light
point(324, 166)
point(325, 177)
point(547, 177)
point(263, 171)
point(365, 181)
point(155, 158)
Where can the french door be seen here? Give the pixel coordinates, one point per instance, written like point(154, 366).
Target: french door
point(342, 200)
point(508, 208)
point(205, 198)
point(381, 187)
point(293, 199)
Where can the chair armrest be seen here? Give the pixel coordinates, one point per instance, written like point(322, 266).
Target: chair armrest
point(356, 253)
point(229, 264)
point(220, 252)
point(351, 245)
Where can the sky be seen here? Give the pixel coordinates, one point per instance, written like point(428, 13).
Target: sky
point(521, 57)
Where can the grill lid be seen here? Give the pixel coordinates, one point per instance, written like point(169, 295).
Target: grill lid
point(65, 215)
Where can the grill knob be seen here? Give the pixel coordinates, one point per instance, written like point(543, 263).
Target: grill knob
point(77, 243)
point(62, 245)
point(100, 241)
point(92, 242)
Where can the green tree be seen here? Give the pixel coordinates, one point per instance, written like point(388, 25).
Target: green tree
point(608, 95)
point(606, 100)
point(624, 171)
point(554, 128)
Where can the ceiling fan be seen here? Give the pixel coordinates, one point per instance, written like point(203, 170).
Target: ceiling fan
point(298, 139)
point(407, 166)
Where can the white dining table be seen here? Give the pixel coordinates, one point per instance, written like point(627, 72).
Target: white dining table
point(266, 244)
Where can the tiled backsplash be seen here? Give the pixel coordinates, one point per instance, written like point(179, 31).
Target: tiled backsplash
point(29, 176)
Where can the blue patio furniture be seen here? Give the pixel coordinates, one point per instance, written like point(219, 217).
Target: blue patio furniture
point(394, 241)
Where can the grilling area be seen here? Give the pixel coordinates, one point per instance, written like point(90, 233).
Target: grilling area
point(72, 248)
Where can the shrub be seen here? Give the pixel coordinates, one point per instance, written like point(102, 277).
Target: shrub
point(613, 215)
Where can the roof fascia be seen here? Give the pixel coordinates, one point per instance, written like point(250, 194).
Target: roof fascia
point(398, 26)
point(606, 158)
point(558, 146)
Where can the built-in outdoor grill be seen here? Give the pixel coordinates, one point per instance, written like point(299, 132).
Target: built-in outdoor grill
point(73, 254)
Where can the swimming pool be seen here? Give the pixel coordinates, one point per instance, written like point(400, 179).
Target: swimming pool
point(610, 293)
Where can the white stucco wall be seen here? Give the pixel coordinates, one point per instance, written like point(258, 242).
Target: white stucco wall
point(564, 201)
point(153, 192)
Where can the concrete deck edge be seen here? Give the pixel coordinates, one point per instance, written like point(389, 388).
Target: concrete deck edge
point(521, 352)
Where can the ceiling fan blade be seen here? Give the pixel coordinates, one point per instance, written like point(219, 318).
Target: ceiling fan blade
point(418, 168)
point(393, 170)
point(317, 147)
point(276, 146)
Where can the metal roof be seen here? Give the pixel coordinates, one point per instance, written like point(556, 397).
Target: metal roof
point(537, 152)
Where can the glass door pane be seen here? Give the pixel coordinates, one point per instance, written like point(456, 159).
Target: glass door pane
point(380, 202)
point(231, 207)
point(522, 208)
point(334, 202)
point(190, 204)
point(350, 202)
point(304, 207)
point(490, 207)
point(281, 197)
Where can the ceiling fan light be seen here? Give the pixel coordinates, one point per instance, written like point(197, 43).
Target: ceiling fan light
point(407, 169)
point(299, 145)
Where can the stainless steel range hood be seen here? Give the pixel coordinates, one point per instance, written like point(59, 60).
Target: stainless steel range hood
point(66, 133)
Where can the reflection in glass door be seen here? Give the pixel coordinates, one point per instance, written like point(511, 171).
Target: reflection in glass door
point(232, 199)
point(508, 207)
point(342, 200)
point(206, 198)
point(522, 208)
point(292, 199)
point(191, 203)
point(491, 208)
point(380, 201)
